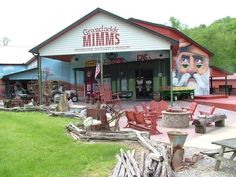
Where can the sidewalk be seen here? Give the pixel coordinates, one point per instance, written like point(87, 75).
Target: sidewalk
point(194, 139)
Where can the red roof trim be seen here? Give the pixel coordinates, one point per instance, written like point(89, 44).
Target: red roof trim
point(218, 72)
point(175, 31)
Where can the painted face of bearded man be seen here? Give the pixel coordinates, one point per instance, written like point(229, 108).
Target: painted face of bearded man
point(192, 70)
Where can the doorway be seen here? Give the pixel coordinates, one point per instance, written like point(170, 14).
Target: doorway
point(144, 84)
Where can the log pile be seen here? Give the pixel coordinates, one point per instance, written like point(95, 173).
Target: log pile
point(82, 134)
point(155, 162)
point(25, 109)
point(157, 159)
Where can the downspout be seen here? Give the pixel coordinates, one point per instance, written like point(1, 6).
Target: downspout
point(211, 87)
point(75, 81)
point(39, 78)
point(171, 79)
point(226, 87)
point(101, 67)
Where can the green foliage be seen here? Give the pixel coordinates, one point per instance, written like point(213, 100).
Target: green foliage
point(219, 38)
point(34, 145)
point(175, 23)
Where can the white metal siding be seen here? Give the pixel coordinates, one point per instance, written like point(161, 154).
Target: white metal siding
point(136, 38)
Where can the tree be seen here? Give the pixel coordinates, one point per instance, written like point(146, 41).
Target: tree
point(5, 41)
point(220, 38)
point(175, 23)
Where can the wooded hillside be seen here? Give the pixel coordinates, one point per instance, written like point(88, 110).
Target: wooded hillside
point(219, 38)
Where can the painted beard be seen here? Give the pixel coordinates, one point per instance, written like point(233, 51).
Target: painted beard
point(198, 82)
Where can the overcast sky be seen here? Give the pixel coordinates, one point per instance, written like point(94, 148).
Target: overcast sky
point(29, 22)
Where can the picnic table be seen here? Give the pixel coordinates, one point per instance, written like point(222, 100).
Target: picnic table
point(230, 144)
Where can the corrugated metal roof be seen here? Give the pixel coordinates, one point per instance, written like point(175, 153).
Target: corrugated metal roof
point(25, 74)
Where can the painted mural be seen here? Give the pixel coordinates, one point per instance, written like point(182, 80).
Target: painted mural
point(191, 68)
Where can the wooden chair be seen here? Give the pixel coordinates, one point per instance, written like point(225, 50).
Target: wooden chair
point(136, 108)
point(99, 114)
point(147, 122)
point(144, 107)
point(191, 109)
point(158, 107)
point(106, 97)
point(163, 105)
point(155, 107)
point(131, 121)
point(211, 111)
point(140, 119)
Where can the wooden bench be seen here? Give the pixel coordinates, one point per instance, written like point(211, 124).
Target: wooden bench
point(215, 152)
point(202, 122)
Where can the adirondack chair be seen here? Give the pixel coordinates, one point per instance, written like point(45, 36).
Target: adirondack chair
point(154, 106)
point(147, 122)
point(146, 110)
point(131, 121)
point(211, 111)
point(144, 107)
point(106, 97)
point(158, 107)
point(136, 108)
point(163, 105)
point(98, 114)
point(138, 120)
point(191, 109)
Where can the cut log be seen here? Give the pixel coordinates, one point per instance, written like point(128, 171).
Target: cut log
point(117, 168)
point(75, 129)
point(128, 162)
point(155, 157)
point(148, 162)
point(74, 136)
point(147, 145)
point(158, 170)
point(142, 163)
point(164, 170)
point(96, 135)
point(125, 165)
point(167, 161)
point(201, 123)
point(153, 167)
point(208, 119)
point(134, 164)
point(112, 136)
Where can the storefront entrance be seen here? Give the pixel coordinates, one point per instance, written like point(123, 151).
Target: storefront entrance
point(144, 84)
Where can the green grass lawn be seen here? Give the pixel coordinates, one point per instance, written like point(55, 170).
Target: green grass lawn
point(34, 145)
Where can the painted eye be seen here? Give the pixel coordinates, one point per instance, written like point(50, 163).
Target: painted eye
point(185, 58)
point(198, 59)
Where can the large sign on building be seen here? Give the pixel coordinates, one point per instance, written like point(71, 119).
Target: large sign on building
point(101, 36)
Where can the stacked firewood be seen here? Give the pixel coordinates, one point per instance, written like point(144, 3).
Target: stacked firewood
point(155, 162)
point(83, 134)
